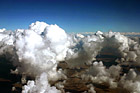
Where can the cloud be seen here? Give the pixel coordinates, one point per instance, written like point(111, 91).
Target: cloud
point(41, 85)
point(38, 51)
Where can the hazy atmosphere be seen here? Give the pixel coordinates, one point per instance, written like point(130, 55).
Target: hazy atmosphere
point(72, 15)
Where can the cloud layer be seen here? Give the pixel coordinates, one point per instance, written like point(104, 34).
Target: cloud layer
point(38, 51)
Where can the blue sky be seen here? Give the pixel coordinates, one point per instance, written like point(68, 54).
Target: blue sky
point(73, 15)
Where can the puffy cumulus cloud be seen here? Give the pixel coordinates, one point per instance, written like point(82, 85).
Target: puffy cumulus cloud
point(123, 47)
point(117, 42)
point(6, 38)
point(38, 27)
point(131, 81)
point(2, 30)
point(6, 43)
point(83, 51)
point(99, 74)
point(41, 52)
point(40, 85)
point(38, 50)
point(59, 41)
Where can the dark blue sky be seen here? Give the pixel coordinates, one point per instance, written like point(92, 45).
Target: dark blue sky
point(73, 15)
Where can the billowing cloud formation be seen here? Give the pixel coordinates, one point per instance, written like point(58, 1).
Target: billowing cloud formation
point(42, 50)
point(41, 85)
point(47, 53)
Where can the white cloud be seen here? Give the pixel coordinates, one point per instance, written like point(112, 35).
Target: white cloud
point(38, 50)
